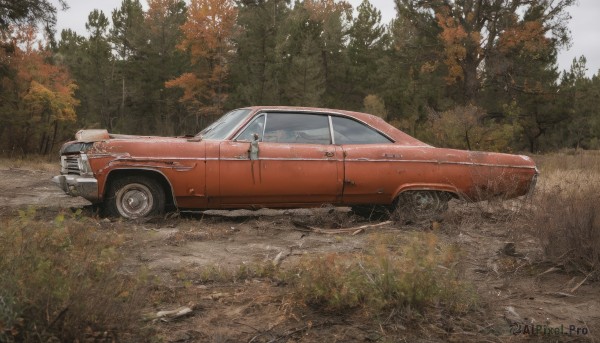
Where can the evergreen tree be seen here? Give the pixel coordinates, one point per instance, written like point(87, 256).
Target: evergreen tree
point(312, 50)
point(162, 62)
point(257, 68)
point(471, 32)
point(96, 76)
point(581, 94)
point(367, 46)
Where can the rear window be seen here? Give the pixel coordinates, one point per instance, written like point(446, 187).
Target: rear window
point(348, 131)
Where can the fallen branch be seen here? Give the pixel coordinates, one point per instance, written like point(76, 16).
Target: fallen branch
point(352, 230)
point(561, 294)
point(549, 270)
point(581, 283)
point(166, 316)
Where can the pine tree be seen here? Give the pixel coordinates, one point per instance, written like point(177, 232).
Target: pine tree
point(368, 42)
point(257, 67)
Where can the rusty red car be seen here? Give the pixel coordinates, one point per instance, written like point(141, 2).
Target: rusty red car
point(283, 157)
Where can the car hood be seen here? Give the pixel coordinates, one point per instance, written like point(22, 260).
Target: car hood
point(97, 135)
point(94, 140)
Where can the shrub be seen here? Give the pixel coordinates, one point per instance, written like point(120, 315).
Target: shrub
point(421, 273)
point(62, 281)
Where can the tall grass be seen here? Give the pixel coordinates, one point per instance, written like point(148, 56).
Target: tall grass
point(566, 215)
point(566, 160)
point(60, 281)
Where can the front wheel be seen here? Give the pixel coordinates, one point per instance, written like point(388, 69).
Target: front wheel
point(135, 197)
point(416, 205)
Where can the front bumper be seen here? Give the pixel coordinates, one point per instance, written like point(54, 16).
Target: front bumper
point(76, 185)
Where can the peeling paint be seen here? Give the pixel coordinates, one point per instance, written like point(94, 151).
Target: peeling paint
point(230, 174)
point(91, 135)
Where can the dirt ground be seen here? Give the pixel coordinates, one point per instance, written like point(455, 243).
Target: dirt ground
point(510, 283)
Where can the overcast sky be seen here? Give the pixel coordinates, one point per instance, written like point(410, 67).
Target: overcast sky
point(585, 29)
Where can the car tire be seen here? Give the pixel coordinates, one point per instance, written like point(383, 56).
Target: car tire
point(419, 205)
point(134, 197)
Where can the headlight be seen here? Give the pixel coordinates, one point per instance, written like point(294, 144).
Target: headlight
point(73, 147)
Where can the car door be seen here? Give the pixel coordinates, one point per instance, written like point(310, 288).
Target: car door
point(370, 162)
point(294, 163)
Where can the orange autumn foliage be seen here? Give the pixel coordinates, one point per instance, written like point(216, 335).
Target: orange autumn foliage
point(207, 37)
point(529, 36)
point(43, 94)
point(456, 40)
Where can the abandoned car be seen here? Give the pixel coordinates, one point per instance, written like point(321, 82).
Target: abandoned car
point(283, 157)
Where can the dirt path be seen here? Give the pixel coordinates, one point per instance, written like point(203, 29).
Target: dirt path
point(26, 187)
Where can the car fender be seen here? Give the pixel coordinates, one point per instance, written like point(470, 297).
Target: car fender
point(146, 170)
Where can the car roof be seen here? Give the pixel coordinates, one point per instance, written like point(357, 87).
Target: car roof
point(376, 122)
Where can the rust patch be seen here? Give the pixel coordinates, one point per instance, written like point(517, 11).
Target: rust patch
point(91, 135)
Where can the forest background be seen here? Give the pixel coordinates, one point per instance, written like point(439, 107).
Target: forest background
point(472, 74)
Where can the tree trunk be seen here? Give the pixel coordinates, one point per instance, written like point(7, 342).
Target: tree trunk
point(471, 80)
point(53, 141)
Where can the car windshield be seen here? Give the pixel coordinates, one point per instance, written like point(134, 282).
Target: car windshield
point(225, 125)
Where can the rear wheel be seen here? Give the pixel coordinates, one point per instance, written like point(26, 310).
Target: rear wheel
point(421, 204)
point(135, 197)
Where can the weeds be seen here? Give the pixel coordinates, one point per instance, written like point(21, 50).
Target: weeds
point(219, 274)
point(566, 219)
point(34, 162)
point(421, 274)
point(60, 280)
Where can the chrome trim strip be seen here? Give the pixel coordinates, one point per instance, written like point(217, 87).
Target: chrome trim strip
point(264, 126)
point(281, 159)
point(332, 140)
point(158, 159)
point(234, 139)
point(368, 160)
point(442, 162)
point(325, 159)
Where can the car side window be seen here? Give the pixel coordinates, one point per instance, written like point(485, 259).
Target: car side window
point(255, 126)
point(348, 131)
point(297, 128)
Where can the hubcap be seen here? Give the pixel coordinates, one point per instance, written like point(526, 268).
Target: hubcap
point(422, 204)
point(425, 201)
point(134, 201)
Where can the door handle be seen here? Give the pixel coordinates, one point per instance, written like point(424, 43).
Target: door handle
point(329, 154)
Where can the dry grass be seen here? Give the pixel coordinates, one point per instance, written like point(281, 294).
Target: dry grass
point(49, 163)
point(388, 278)
point(566, 214)
point(60, 281)
point(569, 160)
point(221, 274)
